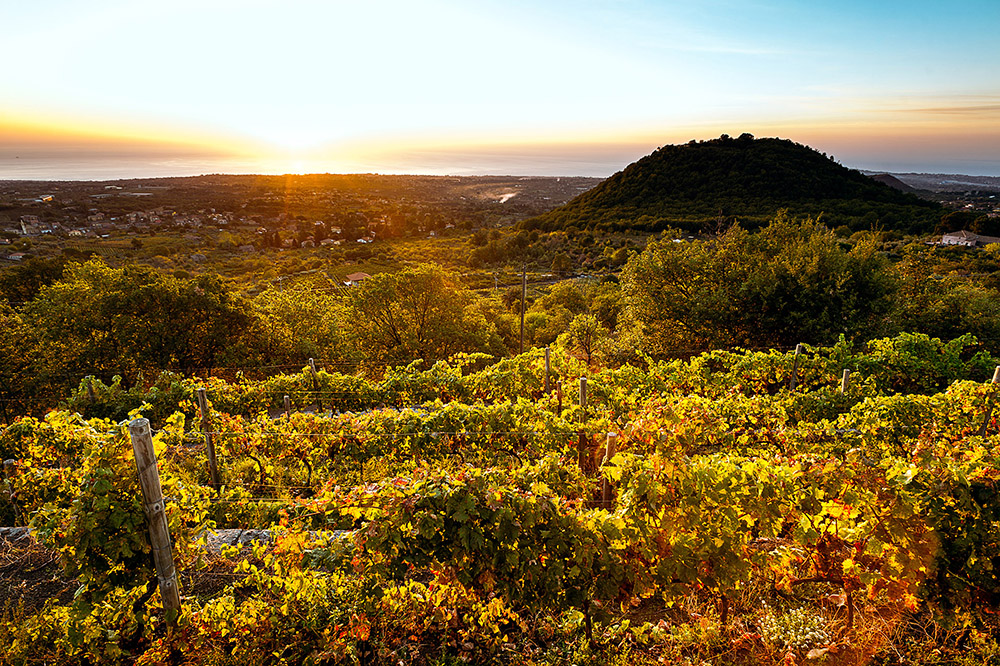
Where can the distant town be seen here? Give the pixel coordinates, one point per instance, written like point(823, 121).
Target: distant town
point(245, 214)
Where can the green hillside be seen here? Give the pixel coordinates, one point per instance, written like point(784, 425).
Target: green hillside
point(704, 182)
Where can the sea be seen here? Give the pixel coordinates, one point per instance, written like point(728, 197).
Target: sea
point(48, 165)
point(598, 161)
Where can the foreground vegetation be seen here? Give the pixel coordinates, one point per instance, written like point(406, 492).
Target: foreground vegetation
point(453, 515)
point(428, 495)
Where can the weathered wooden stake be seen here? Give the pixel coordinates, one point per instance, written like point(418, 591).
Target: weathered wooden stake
point(524, 294)
point(609, 453)
point(159, 532)
point(548, 370)
point(795, 368)
point(559, 394)
point(583, 455)
point(90, 390)
point(845, 381)
point(206, 427)
point(990, 401)
point(288, 407)
point(315, 376)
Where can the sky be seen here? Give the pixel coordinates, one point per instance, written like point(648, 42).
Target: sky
point(130, 88)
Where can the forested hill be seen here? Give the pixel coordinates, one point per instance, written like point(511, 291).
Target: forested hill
point(701, 183)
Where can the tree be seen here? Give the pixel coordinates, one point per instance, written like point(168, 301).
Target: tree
point(21, 283)
point(585, 336)
point(131, 320)
point(321, 231)
point(552, 314)
point(943, 303)
point(562, 264)
point(299, 323)
point(790, 282)
point(18, 395)
point(420, 312)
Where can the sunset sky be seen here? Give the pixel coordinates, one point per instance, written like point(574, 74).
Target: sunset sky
point(115, 88)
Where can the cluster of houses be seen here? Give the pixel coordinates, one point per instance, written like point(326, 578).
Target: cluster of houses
point(100, 225)
point(32, 225)
point(974, 202)
point(97, 224)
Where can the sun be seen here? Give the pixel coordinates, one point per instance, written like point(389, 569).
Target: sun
point(286, 152)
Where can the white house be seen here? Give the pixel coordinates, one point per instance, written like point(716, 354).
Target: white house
point(967, 239)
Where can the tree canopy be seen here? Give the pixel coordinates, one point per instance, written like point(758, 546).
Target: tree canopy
point(420, 312)
point(792, 281)
point(103, 320)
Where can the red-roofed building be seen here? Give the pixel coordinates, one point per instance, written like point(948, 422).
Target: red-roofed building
point(356, 278)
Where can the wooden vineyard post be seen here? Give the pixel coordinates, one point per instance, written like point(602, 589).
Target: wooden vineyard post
point(582, 445)
point(315, 376)
point(559, 394)
point(845, 381)
point(609, 453)
point(159, 532)
point(206, 427)
point(795, 368)
point(524, 294)
point(288, 407)
point(990, 401)
point(90, 391)
point(548, 370)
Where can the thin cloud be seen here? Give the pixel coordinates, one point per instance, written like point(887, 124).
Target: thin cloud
point(967, 106)
point(958, 110)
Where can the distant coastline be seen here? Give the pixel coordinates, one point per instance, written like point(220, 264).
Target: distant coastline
point(80, 166)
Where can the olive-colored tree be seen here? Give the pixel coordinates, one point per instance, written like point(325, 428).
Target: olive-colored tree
point(792, 281)
point(105, 321)
point(419, 312)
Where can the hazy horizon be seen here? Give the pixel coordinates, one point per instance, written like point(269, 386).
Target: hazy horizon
point(54, 165)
